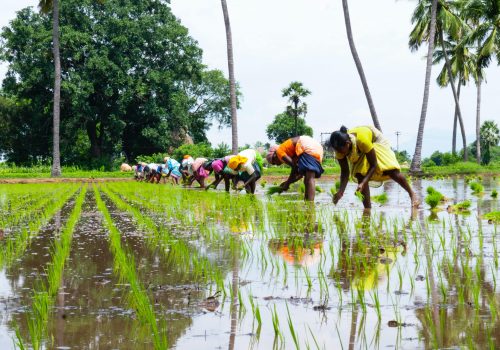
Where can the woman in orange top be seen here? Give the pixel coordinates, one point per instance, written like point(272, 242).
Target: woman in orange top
point(304, 155)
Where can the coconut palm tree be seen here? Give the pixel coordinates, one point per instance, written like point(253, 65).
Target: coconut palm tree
point(46, 6)
point(232, 82)
point(490, 137)
point(359, 67)
point(483, 16)
point(416, 163)
point(447, 21)
point(462, 61)
point(294, 92)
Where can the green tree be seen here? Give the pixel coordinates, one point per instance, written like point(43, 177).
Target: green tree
point(133, 80)
point(284, 127)
point(47, 6)
point(359, 66)
point(232, 80)
point(416, 164)
point(447, 22)
point(490, 137)
point(295, 92)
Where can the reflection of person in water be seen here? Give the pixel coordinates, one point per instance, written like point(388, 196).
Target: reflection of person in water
point(361, 265)
point(305, 251)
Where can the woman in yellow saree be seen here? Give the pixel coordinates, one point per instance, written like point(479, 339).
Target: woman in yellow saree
point(365, 154)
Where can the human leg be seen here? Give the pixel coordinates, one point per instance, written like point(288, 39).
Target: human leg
point(401, 180)
point(310, 184)
point(366, 192)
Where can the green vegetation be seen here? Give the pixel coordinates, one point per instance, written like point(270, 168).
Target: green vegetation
point(433, 197)
point(381, 198)
point(476, 188)
point(493, 216)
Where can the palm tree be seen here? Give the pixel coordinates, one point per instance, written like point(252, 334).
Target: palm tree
point(446, 20)
point(295, 91)
point(232, 82)
point(416, 163)
point(490, 137)
point(46, 6)
point(462, 62)
point(483, 16)
point(359, 67)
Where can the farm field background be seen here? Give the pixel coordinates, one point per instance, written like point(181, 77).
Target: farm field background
point(136, 265)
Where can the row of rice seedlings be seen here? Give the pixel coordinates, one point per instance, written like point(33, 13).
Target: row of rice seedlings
point(174, 248)
point(45, 292)
point(24, 210)
point(125, 267)
point(15, 245)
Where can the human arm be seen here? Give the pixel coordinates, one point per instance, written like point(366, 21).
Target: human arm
point(344, 178)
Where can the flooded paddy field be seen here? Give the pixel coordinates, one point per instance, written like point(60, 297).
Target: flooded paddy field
point(142, 266)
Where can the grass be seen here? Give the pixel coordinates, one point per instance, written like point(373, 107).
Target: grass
point(476, 187)
point(433, 197)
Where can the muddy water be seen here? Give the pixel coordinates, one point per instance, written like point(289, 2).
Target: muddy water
point(434, 275)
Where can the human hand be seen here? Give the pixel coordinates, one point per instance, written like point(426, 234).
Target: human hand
point(361, 187)
point(285, 186)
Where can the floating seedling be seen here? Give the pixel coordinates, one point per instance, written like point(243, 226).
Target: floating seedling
point(477, 188)
point(381, 198)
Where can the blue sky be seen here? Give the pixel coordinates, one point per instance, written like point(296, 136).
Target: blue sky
point(279, 41)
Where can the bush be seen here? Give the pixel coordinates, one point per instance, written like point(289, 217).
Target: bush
point(197, 150)
point(440, 159)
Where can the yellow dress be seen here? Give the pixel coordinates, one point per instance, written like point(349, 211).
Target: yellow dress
point(364, 139)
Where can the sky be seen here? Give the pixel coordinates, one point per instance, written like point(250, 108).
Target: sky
point(280, 41)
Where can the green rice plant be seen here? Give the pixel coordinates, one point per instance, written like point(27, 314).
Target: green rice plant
point(494, 194)
point(45, 292)
point(493, 216)
point(318, 189)
point(461, 207)
point(292, 329)
point(263, 183)
point(125, 266)
point(381, 198)
point(359, 196)
point(433, 197)
point(276, 323)
point(476, 187)
point(273, 190)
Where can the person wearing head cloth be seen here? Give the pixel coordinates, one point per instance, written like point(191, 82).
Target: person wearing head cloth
point(185, 168)
point(218, 166)
point(248, 165)
point(171, 169)
point(365, 155)
point(139, 171)
point(304, 155)
point(198, 172)
point(150, 171)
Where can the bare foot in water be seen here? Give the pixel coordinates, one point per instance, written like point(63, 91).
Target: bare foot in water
point(415, 202)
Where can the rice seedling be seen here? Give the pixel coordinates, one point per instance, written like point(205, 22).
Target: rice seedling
point(273, 190)
point(493, 217)
point(476, 187)
point(125, 266)
point(433, 197)
point(292, 329)
point(359, 196)
point(381, 198)
point(494, 194)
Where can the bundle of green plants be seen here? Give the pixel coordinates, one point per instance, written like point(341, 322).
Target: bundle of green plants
point(263, 183)
point(433, 197)
point(493, 216)
point(494, 194)
point(476, 187)
point(381, 198)
point(359, 196)
point(461, 207)
point(273, 190)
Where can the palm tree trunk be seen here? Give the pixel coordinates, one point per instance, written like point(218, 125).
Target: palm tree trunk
point(455, 96)
point(455, 120)
point(296, 117)
point(359, 67)
point(478, 123)
point(56, 156)
point(416, 163)
point(232, 83)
